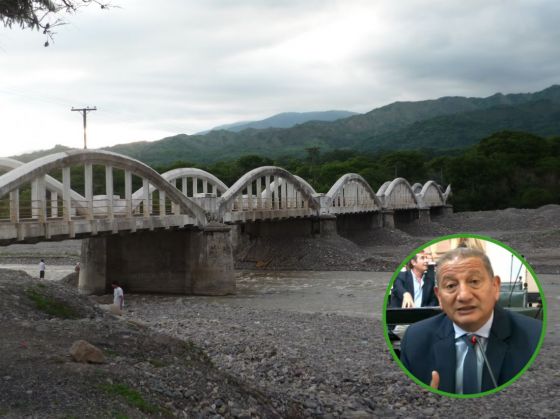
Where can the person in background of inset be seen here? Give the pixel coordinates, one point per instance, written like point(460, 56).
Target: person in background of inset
point(42, 268)
point(413, 287)
point(118, 295)
point(474, 345)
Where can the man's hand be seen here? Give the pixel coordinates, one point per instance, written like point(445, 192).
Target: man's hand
point(407, 300)
point(435, 380)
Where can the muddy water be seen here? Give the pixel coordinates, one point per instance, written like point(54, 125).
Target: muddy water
point(348, 293)
point(353, 293)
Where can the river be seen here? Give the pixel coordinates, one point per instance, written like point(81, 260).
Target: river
point(350, 293)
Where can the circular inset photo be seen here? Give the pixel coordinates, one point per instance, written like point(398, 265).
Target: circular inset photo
point(464, 315)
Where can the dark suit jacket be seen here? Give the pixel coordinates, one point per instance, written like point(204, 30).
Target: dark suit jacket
point(404, 283)
point(430, 345)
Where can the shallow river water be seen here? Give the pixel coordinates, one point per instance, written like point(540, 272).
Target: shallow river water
point(350, 293)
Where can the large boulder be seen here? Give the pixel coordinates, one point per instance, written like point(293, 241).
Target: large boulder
point(83, 351)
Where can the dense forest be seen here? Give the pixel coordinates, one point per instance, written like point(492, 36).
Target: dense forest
point(506, 169)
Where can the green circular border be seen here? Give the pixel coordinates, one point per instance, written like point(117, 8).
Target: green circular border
point(445, 393)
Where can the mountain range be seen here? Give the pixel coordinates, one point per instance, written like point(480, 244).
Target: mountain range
point(440, 124)
point(283, 120)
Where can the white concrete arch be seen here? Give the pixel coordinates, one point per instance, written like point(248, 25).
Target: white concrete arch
point(7, 163)
point(267, 189)
point(52, 185)
point(383, 188)
point(352, 193)
point(36, 169)
point(399, 195)
point(305, 183)
point(417, 188)
point(447, 195)
point(208, 179)
point(431, 195)
point(188, 176)
point(280, 181)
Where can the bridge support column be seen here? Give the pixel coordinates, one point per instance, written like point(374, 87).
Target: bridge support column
point(388, 219)
point(165, 261)
point(358, 224)
point(327, 225)
point(93, 266)
point(212, 261)
point(377, 220)
point(424, 216)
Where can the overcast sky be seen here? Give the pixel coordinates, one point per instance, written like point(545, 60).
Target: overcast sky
point(156, 69)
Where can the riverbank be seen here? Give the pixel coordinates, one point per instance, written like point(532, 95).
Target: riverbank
point(145, 373)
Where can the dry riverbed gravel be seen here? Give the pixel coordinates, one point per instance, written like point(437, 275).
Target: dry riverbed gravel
point(181, 356)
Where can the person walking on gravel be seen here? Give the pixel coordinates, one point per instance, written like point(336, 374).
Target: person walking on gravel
point(42, 268)
point(118, 295)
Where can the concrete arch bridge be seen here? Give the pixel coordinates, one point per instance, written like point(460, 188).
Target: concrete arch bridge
point(186, 220)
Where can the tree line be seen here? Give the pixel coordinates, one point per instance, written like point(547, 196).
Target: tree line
point(506, 169)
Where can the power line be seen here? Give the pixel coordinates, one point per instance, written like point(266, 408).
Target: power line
point(84, 112)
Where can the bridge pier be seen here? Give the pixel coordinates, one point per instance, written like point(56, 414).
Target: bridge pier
point(424, 216)
point(192, 262)
point(388, 218)
point(349, 224)
point(325, 225)
point(212, 261)
point(442, 211)
point(93, 266)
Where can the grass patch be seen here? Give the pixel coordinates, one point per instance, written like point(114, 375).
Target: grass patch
point(110, 352)
point(49, 305)
point(132, 397)
point(197, 352)
point(156, 363)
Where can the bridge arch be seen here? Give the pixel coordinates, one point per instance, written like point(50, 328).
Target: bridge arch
point(430, 195)
point(264, 192)
point(398, 195)
point(52, 185)
point(447, 195)
point(209, 181)
point(8, 164)
point(417, 188)
point(36, 169)
point(352, 193)
point(190, 178)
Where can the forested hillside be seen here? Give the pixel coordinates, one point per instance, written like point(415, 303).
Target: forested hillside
point(506, 169)
point(441, 124)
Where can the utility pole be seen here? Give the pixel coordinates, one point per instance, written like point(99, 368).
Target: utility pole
point(84, 112)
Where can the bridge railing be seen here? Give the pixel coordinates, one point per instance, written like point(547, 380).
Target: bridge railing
point(267, 192)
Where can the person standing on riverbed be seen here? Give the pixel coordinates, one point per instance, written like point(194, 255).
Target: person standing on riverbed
point(42, 267)
point(118, 295)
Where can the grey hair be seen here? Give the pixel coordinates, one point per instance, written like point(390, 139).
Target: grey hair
point(465, 253)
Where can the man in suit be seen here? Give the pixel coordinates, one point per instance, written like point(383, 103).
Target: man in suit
point(415, 286)
point(442, 352)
